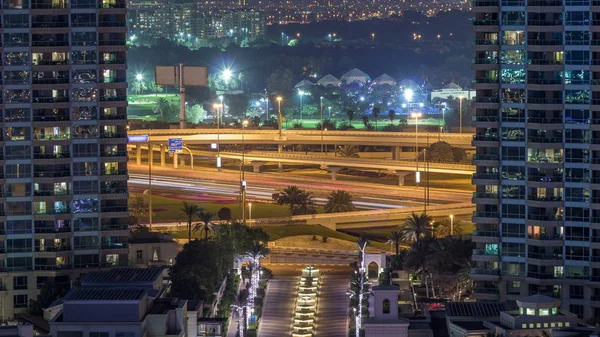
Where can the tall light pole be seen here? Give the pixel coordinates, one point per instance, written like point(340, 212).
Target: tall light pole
point(267, 102)
point(250, 211)
point(140, 78)
point(329, 112)
point(242, 175)
point(322, 126)
point(282, 35)
point(300, 93)
point(416, 117)
point(373, 37)
point(279, 98)
point(451, 224)
point(460, 98)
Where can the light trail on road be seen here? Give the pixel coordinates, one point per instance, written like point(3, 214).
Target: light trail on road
point(194, 186)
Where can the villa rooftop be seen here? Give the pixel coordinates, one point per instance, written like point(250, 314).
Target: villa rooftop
point(122, 276)
point(476, 309)
point(105, 294)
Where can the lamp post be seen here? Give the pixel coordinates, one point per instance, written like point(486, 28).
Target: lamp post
point(250, 211)
point(267, 103)
point(451, 224)
point(242, 175)
point(373, 37)
point(140, 78)
point(321, 98)
point(301, 93)
point(416, 117)
point(218, 106)
point(279, 98)
point(460, 98)
point(282, 35)
point(329, 37)
point(329, 112)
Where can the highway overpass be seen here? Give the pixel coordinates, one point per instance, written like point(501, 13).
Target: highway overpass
point(303, 137)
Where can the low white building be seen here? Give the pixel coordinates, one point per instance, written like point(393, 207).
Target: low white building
point(452, 90)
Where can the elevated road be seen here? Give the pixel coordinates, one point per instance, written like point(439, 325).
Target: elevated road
point(303, 137)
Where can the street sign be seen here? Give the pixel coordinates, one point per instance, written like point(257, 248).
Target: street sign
point(137, 139)
point(175, 145)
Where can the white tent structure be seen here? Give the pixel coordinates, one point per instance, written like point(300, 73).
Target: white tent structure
point(384, 79)
point(304, 84)
point(328, 80)
point(356, 76)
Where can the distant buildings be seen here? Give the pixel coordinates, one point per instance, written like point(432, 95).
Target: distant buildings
point(453, 90)
point(187, 23)
point(150, 249)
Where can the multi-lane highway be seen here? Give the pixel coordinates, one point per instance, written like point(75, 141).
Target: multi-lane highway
point(229, 189)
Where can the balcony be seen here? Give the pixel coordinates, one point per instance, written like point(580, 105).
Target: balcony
point(107, 209)
point(111, 24)
point(37, 80)
point(486, 42)
point(53, 249)
point(486, 291)
point(113, 190)
point(114, 154)
point(106, 245)
point(55, 155)
point(113, 98)
point(544, 178)
point(51, 230)
point(52, 211)
point(485, 3)
point(50, 193)
point(533, 100)
point(548, 42)
point(543, 276)
point(114, 172)
point(121, 227)
point(112, 43)
point(485, 22)
point(113, 61)
point(50, 99)
point(109, 134)
point(104, 117)
point(544, 22)
point(53, 266)
point(50, 43)
point(49, 5)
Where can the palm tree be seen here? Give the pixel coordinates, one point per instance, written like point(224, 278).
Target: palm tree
point(362, 246)
point(289, 196)
point(190, 210)
point(161, 106)
point(349, 151)
point(339, 201)
point(205, 225)
point(395, 238)
point(237, 308)
point(416, 227)
point(418, 256)
point(306, 204)
point(257, 251)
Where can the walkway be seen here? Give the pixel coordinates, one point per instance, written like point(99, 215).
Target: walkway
point(278, 307)
point(332, 316)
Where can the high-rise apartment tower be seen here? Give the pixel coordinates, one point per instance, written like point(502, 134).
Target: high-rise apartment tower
point(63, 155)
point(537, 120)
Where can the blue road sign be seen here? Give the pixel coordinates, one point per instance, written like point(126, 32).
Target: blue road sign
point(175, 145)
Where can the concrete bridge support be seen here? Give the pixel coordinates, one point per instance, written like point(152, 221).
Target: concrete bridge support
point(256, 165)
point(401, 176)
point(396, 150)
point(280, 164)
point(175, 160)
point(138, 154)
point(334, 171)
point(162, 155)
point(150, 155)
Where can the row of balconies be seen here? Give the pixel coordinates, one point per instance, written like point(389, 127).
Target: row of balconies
point(534, 3)
point(49, 4)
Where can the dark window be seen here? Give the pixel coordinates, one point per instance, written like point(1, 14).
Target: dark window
point(19, 282)
point(386, 306)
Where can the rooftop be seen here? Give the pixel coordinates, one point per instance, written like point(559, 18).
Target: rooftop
point(468, 325)
point(476, 309)
point(122, 276)
point(149, 237)
point(104, 294)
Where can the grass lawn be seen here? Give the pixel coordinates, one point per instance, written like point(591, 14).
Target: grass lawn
point(310, 123)
point(169, 209)
point(466, 228)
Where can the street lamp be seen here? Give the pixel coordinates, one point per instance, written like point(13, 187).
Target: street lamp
point(329, 112)
point(416, 117)
point(329, 37)
point(279, 98)
point(460, 98)
point(242, 175)
point(451, 224)
point(373, 37)
point(250, 212)
point(301, 93)
point(282, 35)
point(321, 123)
point(226, 74)
point(140, 78)
point(408, 95)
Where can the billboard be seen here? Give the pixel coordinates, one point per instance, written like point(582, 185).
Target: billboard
point(192, 76)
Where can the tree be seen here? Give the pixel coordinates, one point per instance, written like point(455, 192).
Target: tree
point(416, 259)
point(138, 208)
point(189, 211)
point(257, 251)
point(460, 155)
point(199, 268)
point(376, 112)
point(289, 196)
point(161, 106)
point(440, 152)
point(237, 310)
point(224, 214)
point(392, 115)
point(49, 293)
point(205, 225)
point(195, 114)
point(416, 227)
point(171, 114)
point(350, 115)
point(365, 120)
point(349, 151)
point(299, 201)
point(280, 81)
point(395, 237)
point(138, 87)
point(151, 85)
point(238, 104)
point(339, 201)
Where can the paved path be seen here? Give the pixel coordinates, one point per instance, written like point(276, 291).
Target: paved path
point(332, 315)
point(278, 308)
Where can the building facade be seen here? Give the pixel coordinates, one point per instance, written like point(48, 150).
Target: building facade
point(537, 113)
point(63, 173)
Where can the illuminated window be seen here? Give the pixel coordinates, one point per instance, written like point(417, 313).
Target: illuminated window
point(524, 326)
point(544, 312)
point(567, 324)
point(545, 325)
point(553, 325)
point(560, 324)
point(554, 311)
point(531, 325)
point(538, 325)
point(530, 312)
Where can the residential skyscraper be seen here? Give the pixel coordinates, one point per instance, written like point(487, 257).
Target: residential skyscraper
point(537, 119)
point(63, 155)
